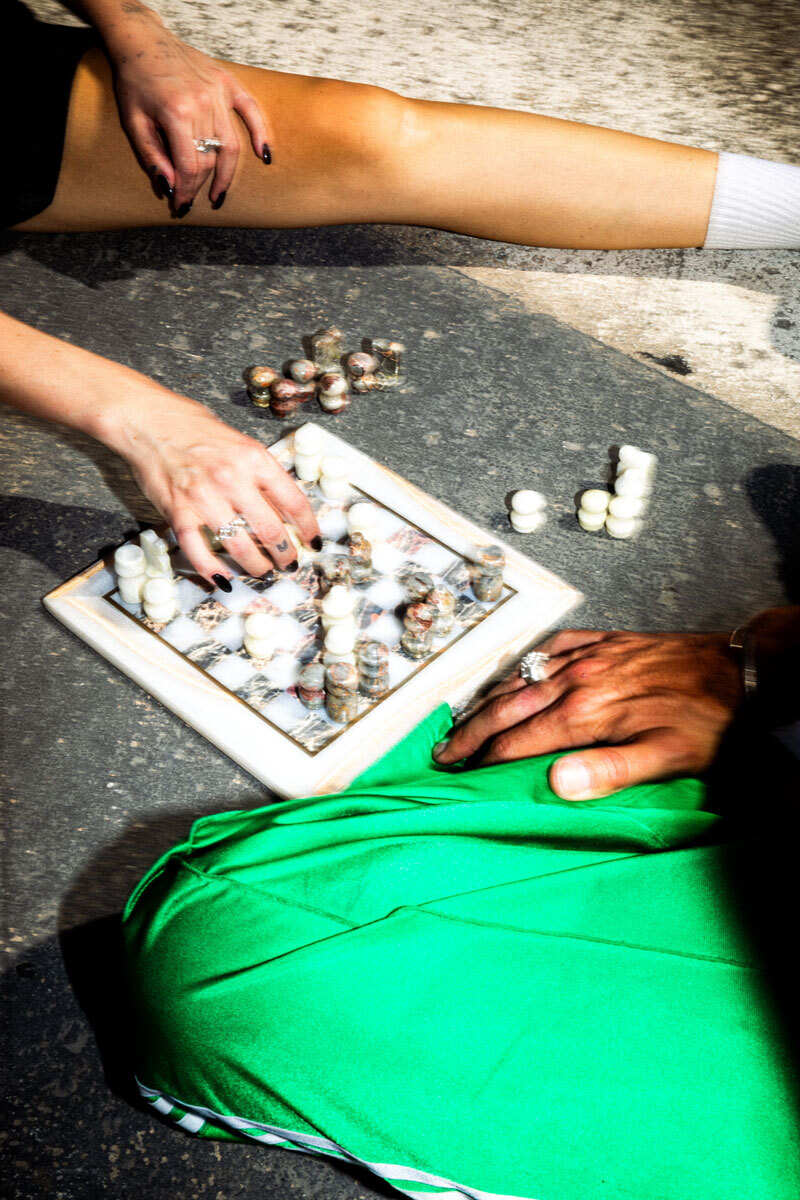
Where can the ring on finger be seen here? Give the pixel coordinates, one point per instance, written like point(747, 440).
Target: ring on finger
point(207, 145)
point(233, 528)
point(532, 666)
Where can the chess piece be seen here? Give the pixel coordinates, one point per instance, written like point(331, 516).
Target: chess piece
point(284, 397)
point(159, 600)
point(527, 511)
point(332, 393)
point(358, 365)
point(362, 517)
point(130, 565)
point(340, 644)
point(417, 638)
point(488, 579)
point(390, 373)
point(311, 686)
point(303, 370)
point(360, 554)
point(592, 509)
point(337, 569)
point(633, 482)
point(337, 607)
point(258, 381)
point(373, 669)
point(307, 453)
point(418, 584)
point(626, 508)
point(641, 460)
point(366, 383)
point(616, 527)
point(326, 349)
point(443, 603)
point(333, 477)
point(156, 551)
point(260, 635)
point(341, 699)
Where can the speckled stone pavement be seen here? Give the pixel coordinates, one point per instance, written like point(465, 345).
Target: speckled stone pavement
point(100, 778)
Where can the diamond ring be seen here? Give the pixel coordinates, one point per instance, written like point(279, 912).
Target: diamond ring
point(232, 528)
point(206, 145)
point(531, 667)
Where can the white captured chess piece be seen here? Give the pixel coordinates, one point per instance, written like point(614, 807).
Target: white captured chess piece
point(159, 600)
point(307, 453)
point(527, 511)
point(340, 644)
point(260, 635)
point(592, 509)
point(635, 472)
point(333, 477)
point(337, 607)
point(130, 565)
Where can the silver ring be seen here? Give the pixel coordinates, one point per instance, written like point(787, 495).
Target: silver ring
point(531, 667)
point(232, 528)
point(206, 145)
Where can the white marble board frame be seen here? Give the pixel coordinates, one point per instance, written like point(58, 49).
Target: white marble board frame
point(455, 675)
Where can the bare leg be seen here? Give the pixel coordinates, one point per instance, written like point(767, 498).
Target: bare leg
point(350, 153)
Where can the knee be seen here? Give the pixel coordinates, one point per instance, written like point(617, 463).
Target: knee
point(371, 127)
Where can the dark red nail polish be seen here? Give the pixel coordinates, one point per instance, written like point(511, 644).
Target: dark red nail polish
point(222, 583)
point(184, 209)
point(316, 543)
point(266, 154)
point(220, 200)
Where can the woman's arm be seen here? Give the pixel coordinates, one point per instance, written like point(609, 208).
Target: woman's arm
point(169, 94)
point(193, 467)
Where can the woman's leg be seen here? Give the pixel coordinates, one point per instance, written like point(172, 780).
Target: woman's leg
point(351, 153)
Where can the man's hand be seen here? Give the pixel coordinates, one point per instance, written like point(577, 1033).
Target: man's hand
point(653, 705)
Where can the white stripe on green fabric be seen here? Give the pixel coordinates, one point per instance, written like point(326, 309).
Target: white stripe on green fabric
point(397, 1176)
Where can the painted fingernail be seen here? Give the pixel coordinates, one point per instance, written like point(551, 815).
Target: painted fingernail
point(572, 779)
point(266, 154)
point(184, 209)
point(316, 543)
point(167, 192)
point(439, 749)
point(222, 583)
point(220, 200)
point(292, 566)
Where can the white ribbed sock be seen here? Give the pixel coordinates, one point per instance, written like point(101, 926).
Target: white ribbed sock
point(756, 205)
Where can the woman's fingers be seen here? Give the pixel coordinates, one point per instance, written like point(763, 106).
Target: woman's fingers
point(286, 497)
point(224, 159)
point(196, 548)
point(592, 774)
point(192, 167)
point(259, 129)
point(143, 132)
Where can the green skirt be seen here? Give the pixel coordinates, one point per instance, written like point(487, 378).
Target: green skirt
point(470, 987)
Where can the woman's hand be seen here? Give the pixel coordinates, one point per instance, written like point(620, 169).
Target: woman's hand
point(170, 94)
point(198, 471)
point(655, 705)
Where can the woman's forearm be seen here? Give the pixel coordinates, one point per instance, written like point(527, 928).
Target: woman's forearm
point(122, 24)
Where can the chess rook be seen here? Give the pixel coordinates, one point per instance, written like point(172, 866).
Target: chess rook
point(258, 381)
point(363, 518)
point(130, 565)
point(307, 453)
point(488, 577)
point(390, 355)
point(326, 349)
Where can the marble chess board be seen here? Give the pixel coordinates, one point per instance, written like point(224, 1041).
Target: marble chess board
point(197, 665)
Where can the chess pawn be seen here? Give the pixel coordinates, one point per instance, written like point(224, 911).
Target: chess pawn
point(390, 356)
point(311, 686)
point(417, 638)
point(527, 511)
point(258, 381)
point(284, 397)
point(159, 600)
point(366, 383)
point(326, 349)
point(337, 607)
point(341, 699)
point(332, 393)
point(488, 582)
point(337, 569)
point(156, 552)
point(360, 554)
point(418, 584)
point(373, 669)
point(363, 518)
point(303, 370)
point(340, 644)
point(443, 603)
point(130, 565)
point(307, 453)
point(358, 365)
point(333, 477)
point(592, 509)
point(260, 636)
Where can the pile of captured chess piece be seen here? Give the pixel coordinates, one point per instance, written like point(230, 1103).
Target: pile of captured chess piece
point(328, 376)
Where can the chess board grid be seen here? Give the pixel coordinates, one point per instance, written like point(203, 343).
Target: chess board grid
point(454, 675)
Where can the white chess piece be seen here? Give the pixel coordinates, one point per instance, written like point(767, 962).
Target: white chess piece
point(591, 522)
point(156, 551)
point(337, 607)
point(307, 453)
point(527, 511)
point(333, 477)
point(632, 482)
point(592, 509)
point(362, 518)
point(340, 643)
point(260, 635)
point(618, 527)
point(626, 508)
point(130, 566)
point(159, 600)
point(641, 460)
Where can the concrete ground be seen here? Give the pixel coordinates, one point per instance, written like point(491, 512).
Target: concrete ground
point(563, 348)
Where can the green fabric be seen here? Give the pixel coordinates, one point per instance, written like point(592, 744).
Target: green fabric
point(470, 985)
